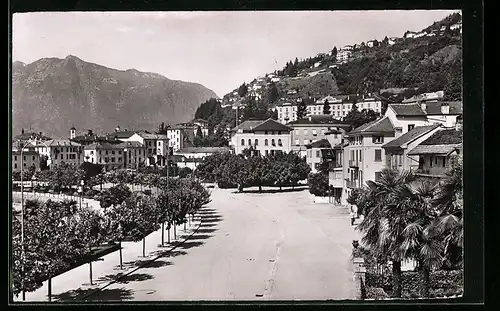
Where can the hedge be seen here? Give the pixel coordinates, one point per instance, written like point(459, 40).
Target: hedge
point(444, 283)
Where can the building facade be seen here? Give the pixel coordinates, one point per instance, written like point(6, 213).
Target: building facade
point(264, 136)
point(110, 156)
point(157, 146)
point(58, 151)
point(27, 160)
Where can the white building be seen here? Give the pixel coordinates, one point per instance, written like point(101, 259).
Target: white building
point(392, 40)
point(370, 43)
point(110, 156)
point(190, 157)
point(265, 136)
point(343, 55)
point(28, 159)
point(156, 146)
point(134, 154)
point(59, 151)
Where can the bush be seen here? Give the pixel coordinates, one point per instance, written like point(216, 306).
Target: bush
point(147, 192)
point(318, 184)
point(376, 293)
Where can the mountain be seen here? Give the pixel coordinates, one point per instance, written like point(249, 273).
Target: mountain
point(51, 95)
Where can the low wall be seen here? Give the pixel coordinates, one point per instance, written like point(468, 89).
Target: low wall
point(324, 200)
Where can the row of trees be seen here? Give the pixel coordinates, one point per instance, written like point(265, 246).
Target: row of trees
point(410, 218)
point(70, 233)
point(252, 169)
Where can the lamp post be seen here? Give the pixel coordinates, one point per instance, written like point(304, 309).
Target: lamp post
point(80, 190)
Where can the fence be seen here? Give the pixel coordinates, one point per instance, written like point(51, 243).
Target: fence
point(16, 198)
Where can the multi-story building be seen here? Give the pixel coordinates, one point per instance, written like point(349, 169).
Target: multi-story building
point(110, 156)
point(396, 151)
point(24, 138)
point(365, 153)
point(176, 137)
point(443, 112)
point(318, 152)
point(134, 154)
point(264, 136)
point(343, 55)
point(340, 106)
point(192, 156)
point(27, 160)
point(314, 128)
point(58, 151)
point(156, 146)
point(435, 152)
point(406, 117)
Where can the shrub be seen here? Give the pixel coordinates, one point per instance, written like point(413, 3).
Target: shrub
point(376, 293)
point(318, 184)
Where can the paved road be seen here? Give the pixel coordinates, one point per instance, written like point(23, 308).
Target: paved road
point(253, 247)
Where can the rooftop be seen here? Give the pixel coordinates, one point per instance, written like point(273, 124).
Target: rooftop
point(382, 125)
point(318, 119)
point(443, 150)
point(434, 108)
point(203, 150)
point(103, 146)
point(130, 144)
point(408, 110)
point(410, 136)
point(27, 136)
point(444, 137)
point(121, 134)
point(322, 143)
point(147, 135)
point(29, 152)
point(57, 142)
point(262, 125)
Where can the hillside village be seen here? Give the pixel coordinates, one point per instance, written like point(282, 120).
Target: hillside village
point(372, 130)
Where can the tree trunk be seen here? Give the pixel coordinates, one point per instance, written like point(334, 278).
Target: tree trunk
point(90, 266)
point(50, 289)
point(260, 188)
point(144, 247)
point(175, 233)
point(168, 233)
point(162, 233)
point(184, 226)
point(396, 279)
point(121, 259)
point(425, 281)
point(280, 188)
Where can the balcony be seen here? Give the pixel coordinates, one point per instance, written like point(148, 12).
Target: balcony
point(351, 183)
point(353, 163)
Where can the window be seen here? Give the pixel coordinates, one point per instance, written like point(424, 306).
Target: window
point(305, 131)
point(314, 132)
point(266, 132)
point(106, 159)
point(306, 141)
point(279, 143)
point(352, 155)
point(279, 132)
point(15, 158)
point(24, 158)
point(15, 165)
point(112, 152)
point(273, 143)
point(436, 160)
point(430, 162)
point(92, 152)
point(119, 159)
point(242, 142)
point(400, 160)
point(297, 142)
point(159, 143)
point(267, 153)
point(106, 152)
point(266, 143)
point(256, 142)
point(100, 160)
point(323, 132)
point(119, 152)
point(113, 159)
point(411, 127)
point(272, 132)
point(317, 153)
point(24, 164)
point(377, 139)
point(444, 161)
point(377, 175)
point(316, 165)
point(249, 142)
point(378, 155)
point(296, 132)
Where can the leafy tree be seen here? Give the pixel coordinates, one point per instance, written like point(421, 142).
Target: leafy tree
point(114, 196)
point(185, 172)
point(199, 132)
point(243, 90)
point(326, 107)
point(301, 110)
point(272, 93)
point(235, 171)
point(334, 52)
point(318, 184)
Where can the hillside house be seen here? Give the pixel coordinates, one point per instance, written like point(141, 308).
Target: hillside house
point(406, 117)
point(343, 55)
point(396, 151)
point(444, 112)
point(370, 43)
point(436, 151)
point(264, 136)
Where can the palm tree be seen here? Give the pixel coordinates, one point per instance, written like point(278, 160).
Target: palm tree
point(421, 242)
point(385, 220)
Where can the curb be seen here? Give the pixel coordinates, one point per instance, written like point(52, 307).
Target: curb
point(141, 266)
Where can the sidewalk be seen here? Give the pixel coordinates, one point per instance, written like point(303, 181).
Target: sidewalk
point(107, 270)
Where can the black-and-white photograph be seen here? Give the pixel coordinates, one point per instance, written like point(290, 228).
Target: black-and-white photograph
point(236, 156)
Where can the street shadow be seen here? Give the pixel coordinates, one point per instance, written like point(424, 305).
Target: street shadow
point(174, 253)
point(205, 230)
point(207, 225)
point(125, 279)
point(200, 236)
point(118, 294)
point(145, 264)
point(268, 191)
point(191, 244)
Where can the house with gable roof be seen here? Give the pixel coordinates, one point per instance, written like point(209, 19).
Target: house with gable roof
point(264, 136)
point(396, 151)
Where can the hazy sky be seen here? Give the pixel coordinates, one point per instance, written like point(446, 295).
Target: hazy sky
point(220, 50)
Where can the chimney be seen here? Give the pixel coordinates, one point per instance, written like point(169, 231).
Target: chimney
point(445, 108)
point(423, 106)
